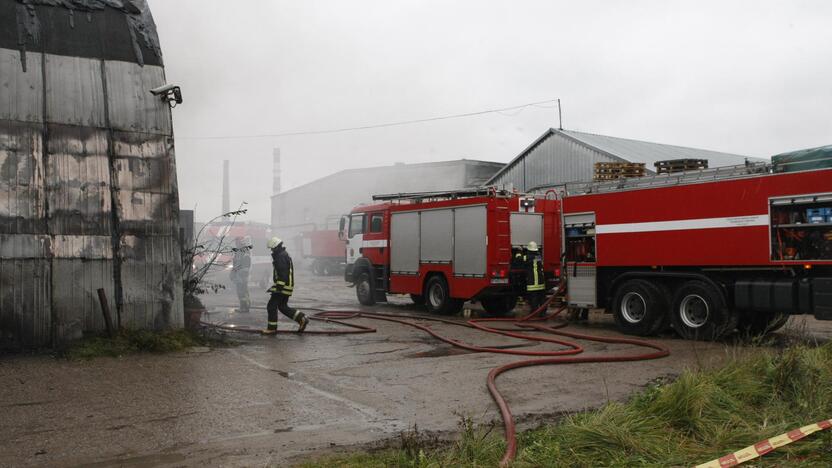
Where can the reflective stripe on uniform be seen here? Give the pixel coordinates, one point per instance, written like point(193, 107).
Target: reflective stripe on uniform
point(537, 284)
point(273, 323)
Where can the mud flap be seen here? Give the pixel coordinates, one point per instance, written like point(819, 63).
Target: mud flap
point(822, 298)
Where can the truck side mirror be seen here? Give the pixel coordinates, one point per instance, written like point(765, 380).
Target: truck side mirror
point(341, 225)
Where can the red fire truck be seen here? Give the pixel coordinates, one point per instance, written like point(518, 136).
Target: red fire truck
point(704, 251)
point(325, 249)
point(445, 248)
point(226, 233)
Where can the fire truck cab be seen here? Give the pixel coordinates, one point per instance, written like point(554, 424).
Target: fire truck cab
point(444, 248)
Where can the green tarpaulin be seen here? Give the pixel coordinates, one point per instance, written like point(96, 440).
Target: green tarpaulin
point(813, 158)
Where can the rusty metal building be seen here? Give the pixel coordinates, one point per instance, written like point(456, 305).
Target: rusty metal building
point(561, 156)
point(88, 192)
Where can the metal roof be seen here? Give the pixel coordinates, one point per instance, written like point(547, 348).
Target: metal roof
point(368, 171)
point(633, 150)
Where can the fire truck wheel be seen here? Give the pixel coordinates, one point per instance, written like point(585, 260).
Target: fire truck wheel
point(760, 323)
point(326, 269)
point(417, 299)
point(640, 308)
point(438, 298)
point(364, 289)
point(700, 312)
point(498, 306)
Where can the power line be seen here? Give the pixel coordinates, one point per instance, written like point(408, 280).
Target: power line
point(368, 127)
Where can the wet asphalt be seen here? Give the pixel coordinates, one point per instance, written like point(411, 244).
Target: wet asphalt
point(273, 401)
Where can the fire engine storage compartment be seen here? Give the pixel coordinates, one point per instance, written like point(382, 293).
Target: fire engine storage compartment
point(801, 228)
point(801, 231)
point(579, 230)
point(454, 236)
point(525, 228)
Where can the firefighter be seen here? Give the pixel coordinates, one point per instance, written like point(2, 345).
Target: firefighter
point(240, 270)
point(284, 282)
point(535, 280)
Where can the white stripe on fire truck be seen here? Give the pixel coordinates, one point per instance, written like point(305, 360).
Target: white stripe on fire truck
point(678, 225)
point(375, 243)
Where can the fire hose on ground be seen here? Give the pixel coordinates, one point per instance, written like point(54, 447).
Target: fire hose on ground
point(531, 323)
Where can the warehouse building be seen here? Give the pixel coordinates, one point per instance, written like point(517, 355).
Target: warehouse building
point(88, 193)
point(562, 156)
point(320, 204)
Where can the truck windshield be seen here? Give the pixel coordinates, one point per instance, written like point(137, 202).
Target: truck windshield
point(356, 225)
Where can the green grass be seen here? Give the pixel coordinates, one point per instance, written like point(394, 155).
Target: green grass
point(138, 341)
point(700, 416)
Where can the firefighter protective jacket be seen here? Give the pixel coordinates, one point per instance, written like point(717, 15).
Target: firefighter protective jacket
point(242, 259)
point(535, 280)
point(283, 272)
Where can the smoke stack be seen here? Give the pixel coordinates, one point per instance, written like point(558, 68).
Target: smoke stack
point(276, 172)
point(226, 196)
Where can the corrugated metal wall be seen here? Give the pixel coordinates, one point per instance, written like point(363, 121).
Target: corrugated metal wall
point(88, 192)
point(555, 160)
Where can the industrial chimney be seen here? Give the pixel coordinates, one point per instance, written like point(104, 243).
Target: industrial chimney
point(226, 196)
point(276, 172)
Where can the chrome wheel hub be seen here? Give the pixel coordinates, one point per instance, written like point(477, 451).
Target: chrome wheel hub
point(633, 307)
point(694, 311)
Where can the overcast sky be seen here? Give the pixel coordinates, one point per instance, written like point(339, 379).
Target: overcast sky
point(748, 77)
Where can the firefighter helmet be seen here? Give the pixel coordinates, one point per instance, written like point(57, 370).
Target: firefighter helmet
point(532, 247)
point(274, 242)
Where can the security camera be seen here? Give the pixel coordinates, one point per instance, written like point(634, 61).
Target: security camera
point(164, 89)
point(169, 93)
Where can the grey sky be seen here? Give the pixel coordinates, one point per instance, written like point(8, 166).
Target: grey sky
point(748, 77)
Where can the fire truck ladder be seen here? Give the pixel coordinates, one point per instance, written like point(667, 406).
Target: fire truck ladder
point(418, 197)
point(741, 171)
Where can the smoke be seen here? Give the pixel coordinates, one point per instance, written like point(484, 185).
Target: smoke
point(742, 77)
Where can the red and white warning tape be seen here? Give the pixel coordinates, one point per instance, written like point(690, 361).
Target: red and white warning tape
point(763, 447)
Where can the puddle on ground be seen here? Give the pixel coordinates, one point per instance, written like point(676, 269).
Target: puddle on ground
point(143, 461)
point(283, 374)
point(442, 351)
point(439, 352)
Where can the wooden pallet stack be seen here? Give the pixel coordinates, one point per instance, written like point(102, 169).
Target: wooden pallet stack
point(617, 170)
point(680, 165)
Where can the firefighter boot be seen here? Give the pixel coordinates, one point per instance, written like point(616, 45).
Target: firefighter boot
point(302, 322)
point(270, 330)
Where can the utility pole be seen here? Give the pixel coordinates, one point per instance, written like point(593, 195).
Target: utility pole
point(226, 196)
point(276, 172)
point(560, 117)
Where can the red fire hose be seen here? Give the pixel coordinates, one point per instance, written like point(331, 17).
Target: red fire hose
point(529, 323)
